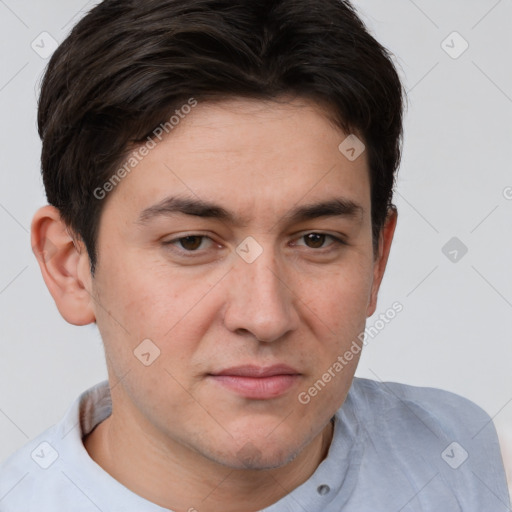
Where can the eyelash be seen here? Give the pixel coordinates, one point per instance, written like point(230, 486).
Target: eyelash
point(196, 253)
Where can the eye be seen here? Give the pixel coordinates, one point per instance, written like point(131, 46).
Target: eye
point(197, 244)
point(317, 240)
point(189, 243)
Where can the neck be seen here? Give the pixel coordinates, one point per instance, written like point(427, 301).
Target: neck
point(180, 479)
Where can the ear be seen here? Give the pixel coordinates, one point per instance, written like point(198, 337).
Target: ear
point(385, 239)
point(64, 264)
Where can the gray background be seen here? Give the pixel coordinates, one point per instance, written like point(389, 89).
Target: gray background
point(455, 181)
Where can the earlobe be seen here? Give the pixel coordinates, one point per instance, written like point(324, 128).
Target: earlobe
point(63, 266)
point(385, 239)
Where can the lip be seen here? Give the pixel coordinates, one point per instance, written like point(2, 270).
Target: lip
point(258, 382)
point(255, 371)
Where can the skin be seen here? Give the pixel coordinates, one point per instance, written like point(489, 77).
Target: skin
point(176, 436)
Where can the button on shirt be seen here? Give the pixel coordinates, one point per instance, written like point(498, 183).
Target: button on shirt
point(395, 448)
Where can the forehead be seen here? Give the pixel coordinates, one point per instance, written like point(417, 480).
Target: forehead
point(251, 155)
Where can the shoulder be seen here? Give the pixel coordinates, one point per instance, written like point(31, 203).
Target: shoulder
point(44, 471)
point(26, 471)
point(426, 432)
point(434, 407)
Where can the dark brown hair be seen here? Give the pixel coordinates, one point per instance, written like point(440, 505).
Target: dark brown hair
point(129, 64)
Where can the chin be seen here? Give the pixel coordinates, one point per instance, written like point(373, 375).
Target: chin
point(254, 455)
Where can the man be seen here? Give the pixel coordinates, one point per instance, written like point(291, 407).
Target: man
point(220, 181)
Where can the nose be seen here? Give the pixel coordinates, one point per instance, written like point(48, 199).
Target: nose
point(261, 300)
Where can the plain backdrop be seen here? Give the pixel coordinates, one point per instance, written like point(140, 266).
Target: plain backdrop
point(454, 187)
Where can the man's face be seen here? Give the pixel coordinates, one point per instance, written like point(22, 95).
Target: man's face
point(291, 296)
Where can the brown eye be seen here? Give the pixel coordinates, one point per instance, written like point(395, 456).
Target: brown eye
point(191, 243)
point(320, 241)
point(192, 246)
point(315, 240)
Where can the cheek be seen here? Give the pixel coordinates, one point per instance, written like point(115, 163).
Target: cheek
point(141, 300)
point(336, 315)
point(340, 297)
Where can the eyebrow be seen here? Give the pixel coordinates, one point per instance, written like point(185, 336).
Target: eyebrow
point(171, 206)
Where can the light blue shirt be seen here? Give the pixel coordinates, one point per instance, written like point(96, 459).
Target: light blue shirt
point(396, 448)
